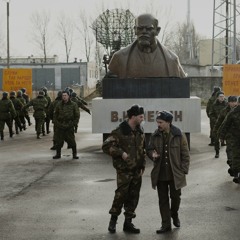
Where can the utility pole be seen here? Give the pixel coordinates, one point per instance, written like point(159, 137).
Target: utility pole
point(8, 47)
point(224, 40)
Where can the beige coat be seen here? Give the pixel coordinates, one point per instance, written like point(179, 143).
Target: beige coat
point(178, 156)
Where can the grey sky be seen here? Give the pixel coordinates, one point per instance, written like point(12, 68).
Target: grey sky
point(21, 10)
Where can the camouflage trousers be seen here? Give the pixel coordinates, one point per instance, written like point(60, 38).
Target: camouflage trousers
point(2, 124)
point(236, 156)
point(229, 151)
point(38, 124)
point(127, 194)
point(67, 135)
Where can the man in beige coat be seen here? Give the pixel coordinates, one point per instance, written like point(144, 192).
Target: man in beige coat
point(168, 149)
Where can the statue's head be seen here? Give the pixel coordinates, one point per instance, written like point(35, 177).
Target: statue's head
point(146, 29)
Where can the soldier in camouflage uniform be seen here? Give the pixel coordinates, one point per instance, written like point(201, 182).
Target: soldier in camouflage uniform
point(47, 120)
point(126, 146)
point(39, 105)
point(7, 112)
point(217, 107)
point(232, 103)
point(51, 110)
point(231, 125)
point(18, 107)
point(210, 102)
point(80, 104)
point(66, 117)
point(21, 113)
point(27, 99)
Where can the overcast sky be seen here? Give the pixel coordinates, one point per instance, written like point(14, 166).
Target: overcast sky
point(21, 43)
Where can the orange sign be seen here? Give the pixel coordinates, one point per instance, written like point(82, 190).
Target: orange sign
point(15, 79)
point(231, 79)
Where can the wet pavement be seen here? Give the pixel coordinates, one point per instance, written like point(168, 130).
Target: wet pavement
point(48, 199)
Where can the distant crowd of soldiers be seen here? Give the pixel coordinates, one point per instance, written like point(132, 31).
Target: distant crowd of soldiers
point(224, 116)
point(14, 111)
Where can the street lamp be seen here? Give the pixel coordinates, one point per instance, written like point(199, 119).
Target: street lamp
point(8, 48)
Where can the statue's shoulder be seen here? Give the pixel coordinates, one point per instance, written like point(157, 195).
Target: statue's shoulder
point(167, 52)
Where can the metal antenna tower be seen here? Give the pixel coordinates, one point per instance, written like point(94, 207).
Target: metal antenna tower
point(224, 37)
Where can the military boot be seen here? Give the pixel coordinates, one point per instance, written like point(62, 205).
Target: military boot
point(236, 178)
point(211, 143)
point(54, 146)
point(129, 227)
point(217, 154)
point(74, 153)
point(2, 136)
point(112, 224)
point(11, 133)
point(58, 154)
point(38, 136)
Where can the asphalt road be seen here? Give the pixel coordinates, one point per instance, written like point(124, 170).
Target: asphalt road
point(65, 199)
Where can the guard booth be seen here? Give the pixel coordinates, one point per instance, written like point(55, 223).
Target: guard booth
point(154, 94)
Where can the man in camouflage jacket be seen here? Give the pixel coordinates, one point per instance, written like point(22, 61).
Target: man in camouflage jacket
point(210, 102)
point(39, 104)
point(18, 107)
point(232, 103)
point(126, 146)
point(51, 110)
point(66, 117)
point(231, 125)
point(7, 112)
point(217, 107)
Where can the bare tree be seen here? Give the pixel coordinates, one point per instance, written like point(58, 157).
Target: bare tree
point(40, 24)
point(65, 30)
point(184, 42)
point(86, 34)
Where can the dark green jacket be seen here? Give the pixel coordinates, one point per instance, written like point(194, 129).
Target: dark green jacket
point(124, 139)
point(66, 115)
point(16, 103)
point(52, 107)
point(231, 125)
point(7, 110)
point(39, 105)
point(217, 107)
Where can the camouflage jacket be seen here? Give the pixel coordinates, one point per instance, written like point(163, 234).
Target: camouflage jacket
point(66, 115)
point(231, 124)
point(16, 103)
point(7, 110)
point(39, 104)
point(26, 97)
point(80, 104)
point(210, 102)
point(124, 139)
point(52, 107)
point(23, 101)
point(217, 107)
point(223, 113)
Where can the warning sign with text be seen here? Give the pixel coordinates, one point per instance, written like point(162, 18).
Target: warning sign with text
point(15, 79)
point(231, 79)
